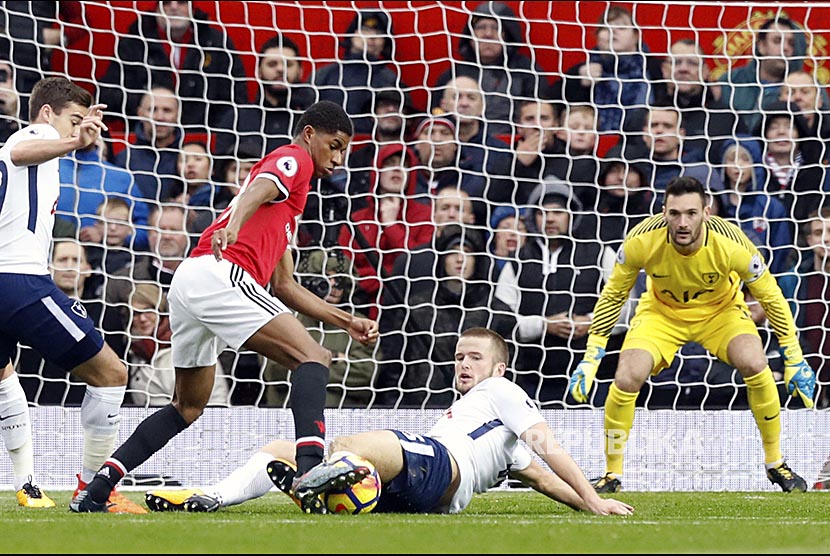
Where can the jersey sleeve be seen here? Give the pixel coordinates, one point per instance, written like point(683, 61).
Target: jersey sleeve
point(615, 292)
point(521, 458)
point(514, 407)
point(750, 266)
point(284, 170)
point(34, 131)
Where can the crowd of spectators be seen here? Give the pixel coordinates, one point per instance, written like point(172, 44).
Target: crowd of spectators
point(492, 206)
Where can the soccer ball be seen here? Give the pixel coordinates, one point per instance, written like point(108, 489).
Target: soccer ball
point(360, 498)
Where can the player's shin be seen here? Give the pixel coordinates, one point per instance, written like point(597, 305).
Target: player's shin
point(619, 417)
point(101, 418)
point(245, 483)
point(150, 436)
point(766, 408)
point(308, 400)
point(16, 429)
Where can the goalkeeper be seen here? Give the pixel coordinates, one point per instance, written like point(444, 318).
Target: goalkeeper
point(695, 265)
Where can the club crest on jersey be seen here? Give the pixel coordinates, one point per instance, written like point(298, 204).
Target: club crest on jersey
point(288, 165)
point(620, 255)
point(710, 277)
point(79, 309)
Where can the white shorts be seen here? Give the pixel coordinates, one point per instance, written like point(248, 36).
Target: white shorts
point(213, 305)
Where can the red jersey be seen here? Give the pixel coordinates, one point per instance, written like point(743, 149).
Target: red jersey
point(263, 239)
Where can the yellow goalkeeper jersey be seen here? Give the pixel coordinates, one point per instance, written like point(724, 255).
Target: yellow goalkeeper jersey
point(691, 288)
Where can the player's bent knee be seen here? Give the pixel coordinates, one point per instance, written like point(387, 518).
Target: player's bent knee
point(105, 369)
point(326, 358)
point(349, 444)
point(748, 365)
point(750, 369)
point(339, 444)
point(189, 412)
point(628, 382)
point(113, 373)
point(118, 374)
point(317, 354)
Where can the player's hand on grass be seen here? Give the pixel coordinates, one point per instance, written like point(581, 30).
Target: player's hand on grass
point(799, 378)
point(220, 240)
point(583, 377)
point(609, 506)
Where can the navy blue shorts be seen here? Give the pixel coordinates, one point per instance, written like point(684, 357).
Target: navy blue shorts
point(34, 312)
point(425, 477)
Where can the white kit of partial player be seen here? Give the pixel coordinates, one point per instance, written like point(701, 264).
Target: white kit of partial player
point(481, 430)
point(27, 213)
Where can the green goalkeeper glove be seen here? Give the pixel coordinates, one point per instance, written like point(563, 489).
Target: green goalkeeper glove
point(798, 376)
point(583, 378)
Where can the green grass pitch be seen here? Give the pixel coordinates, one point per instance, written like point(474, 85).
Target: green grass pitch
point(496, 522)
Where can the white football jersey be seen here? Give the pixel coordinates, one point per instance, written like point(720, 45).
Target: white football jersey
point(481, 430)
point(28, 196)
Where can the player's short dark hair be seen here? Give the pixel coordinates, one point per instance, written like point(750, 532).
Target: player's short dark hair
point(57, 92)
point(500, 350)
point(327, 117)
point(683, 185)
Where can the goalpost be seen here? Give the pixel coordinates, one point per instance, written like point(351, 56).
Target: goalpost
point(693, 430)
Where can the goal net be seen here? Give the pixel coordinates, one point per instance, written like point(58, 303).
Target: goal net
point(469, 117)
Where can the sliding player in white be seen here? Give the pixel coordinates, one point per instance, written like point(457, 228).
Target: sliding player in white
point(33, 311)
point(473, 446)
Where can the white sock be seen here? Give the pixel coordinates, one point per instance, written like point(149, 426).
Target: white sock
point(16, 430)
point(245, 483)
point(773, 464)
point(100, 416)
point(23, 459)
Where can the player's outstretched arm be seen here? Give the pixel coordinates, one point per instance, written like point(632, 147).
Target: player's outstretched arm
point(542, 480)
point(541, 440)
point(37, 151)
point(799, 378)
point(296, 297)
point(607, 312)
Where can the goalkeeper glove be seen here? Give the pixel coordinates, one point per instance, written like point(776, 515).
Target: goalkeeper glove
point(798, 376)
point(583, 378)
